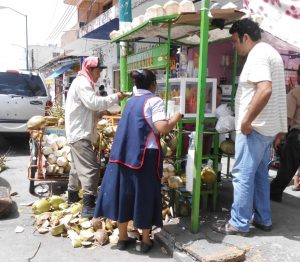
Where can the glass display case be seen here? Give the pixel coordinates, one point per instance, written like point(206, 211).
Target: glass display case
point(183, 96)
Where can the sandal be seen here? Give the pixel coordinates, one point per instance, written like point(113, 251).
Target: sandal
point(145, 248)
point(124, 244)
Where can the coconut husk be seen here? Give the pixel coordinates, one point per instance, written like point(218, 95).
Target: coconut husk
point(101, 237)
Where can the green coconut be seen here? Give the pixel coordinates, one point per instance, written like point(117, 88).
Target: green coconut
point(86, 235)
point(227, 147)
point(76, 243)
point(40, 206)
point(75, 208)
point(175, 182)
point(57, 230)
point(208, 175)
point(55, 201)
point(63, 206)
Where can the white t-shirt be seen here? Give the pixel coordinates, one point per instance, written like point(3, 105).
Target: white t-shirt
point(81, 106)
point(154, 111)
point(263, 63)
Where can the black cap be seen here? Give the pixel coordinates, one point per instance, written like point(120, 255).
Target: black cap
point(100, 65)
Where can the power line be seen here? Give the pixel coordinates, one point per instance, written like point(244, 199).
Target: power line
point(64, 20)
point(66, 17)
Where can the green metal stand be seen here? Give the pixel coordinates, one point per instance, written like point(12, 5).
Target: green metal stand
point(203, 54)
point(205, 190)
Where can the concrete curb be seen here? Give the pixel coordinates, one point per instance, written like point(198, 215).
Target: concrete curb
point(199, 250)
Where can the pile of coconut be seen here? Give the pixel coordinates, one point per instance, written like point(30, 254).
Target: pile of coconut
point(171, 7)
point(57, 154)
point(54, 215)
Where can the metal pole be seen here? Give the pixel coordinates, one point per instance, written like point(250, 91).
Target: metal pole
point(27, 66)
point(168, 68)
point(125, 19)
point(203, 49)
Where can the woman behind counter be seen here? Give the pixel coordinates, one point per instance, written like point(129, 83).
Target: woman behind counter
point(131, 187)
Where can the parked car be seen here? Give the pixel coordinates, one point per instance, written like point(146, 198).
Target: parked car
point(22, 95)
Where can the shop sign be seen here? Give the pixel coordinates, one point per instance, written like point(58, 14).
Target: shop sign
point(152, 58)
point(99, 21)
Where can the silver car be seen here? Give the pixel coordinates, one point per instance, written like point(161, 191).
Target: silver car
point(22, 95)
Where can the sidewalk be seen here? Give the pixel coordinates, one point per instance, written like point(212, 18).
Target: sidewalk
point(281, 244)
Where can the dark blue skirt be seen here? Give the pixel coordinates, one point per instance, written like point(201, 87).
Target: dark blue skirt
point(127, 194)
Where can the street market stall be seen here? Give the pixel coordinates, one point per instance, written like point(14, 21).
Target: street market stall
point(50, 157)
point(180, 28)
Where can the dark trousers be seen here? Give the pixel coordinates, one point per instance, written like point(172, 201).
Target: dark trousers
point(289, 163)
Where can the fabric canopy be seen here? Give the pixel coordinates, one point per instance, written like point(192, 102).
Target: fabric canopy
point(280, 18)
point(60, 71)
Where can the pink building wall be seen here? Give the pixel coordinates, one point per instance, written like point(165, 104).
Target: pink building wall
point(215, 53)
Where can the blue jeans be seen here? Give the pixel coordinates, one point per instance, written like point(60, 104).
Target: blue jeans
point(251, 181)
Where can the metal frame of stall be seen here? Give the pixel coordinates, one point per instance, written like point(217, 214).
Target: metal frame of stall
point(155, 27)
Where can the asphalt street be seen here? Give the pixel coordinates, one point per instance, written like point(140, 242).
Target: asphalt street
point(20, 247)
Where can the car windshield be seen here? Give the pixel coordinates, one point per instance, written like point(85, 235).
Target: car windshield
point(21, 84)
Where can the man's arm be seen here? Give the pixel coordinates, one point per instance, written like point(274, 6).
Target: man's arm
point(259, 101)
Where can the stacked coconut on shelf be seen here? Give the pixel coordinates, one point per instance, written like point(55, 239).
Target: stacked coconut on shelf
point(169, 8)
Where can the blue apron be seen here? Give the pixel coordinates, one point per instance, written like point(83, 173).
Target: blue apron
point(132, 136)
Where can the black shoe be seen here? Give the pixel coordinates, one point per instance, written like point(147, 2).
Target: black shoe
point(145, 248)
point(87, 212)
point(228, 229)
point(262, 227)
point(73, 197)
point(124, 244)
point(276, 198)
point(88, 208)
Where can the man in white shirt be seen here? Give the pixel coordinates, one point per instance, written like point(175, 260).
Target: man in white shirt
point(260, 114)
point(81, 107)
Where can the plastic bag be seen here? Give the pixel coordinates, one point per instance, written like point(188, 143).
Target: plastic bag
point(225, 124)
point(223, 110)
point(189, 168)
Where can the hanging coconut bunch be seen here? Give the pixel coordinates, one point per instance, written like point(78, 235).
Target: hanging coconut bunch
point(56, 116)
point(54, 215)
point(168, 171)
point(106, 133)
point(57, 154)
point(168, 144)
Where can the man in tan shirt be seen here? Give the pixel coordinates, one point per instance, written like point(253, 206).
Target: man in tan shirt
point(290, 151)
